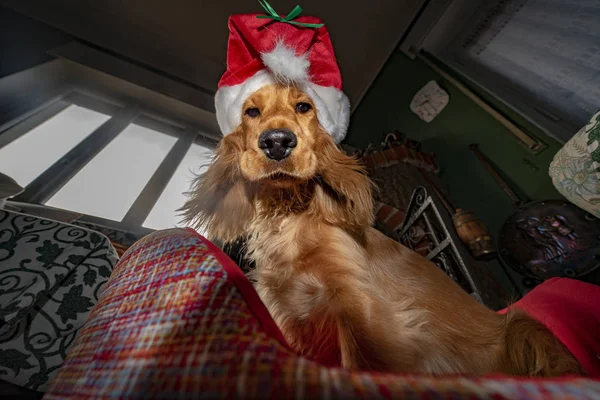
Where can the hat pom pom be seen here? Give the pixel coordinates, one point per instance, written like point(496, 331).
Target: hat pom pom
point(285, 65)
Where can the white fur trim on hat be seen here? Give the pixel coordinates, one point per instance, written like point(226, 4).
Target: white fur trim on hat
point(229, 100)
point(333, 109)
point(332, 105)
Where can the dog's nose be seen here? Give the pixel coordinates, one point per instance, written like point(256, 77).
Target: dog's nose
point(277, 144)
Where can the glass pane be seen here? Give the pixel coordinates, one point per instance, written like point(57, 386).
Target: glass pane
point(163, 214)
point(31, 154)
point(109, 184)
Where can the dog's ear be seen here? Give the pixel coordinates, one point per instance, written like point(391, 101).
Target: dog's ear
point(347, 189)
point(220, 201)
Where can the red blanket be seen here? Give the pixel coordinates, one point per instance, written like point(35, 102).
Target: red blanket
point(570, 309)
point(178, 319)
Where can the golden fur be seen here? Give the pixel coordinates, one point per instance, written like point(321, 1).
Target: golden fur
point(340, 290)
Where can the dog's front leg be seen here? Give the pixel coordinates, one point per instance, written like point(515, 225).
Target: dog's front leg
point(330, 307)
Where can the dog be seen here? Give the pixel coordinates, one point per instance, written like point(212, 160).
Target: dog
point(341, 292)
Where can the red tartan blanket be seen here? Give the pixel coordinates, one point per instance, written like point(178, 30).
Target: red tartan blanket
point(178, 319)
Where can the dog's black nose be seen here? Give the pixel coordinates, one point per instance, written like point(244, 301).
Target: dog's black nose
point(277, 144)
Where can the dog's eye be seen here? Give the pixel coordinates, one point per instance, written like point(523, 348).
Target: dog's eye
point(303, 108)
point(252, 112)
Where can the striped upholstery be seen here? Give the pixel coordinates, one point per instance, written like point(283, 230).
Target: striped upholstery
point(178, 319)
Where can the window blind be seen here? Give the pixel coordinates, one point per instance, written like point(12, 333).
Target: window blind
point(545, 53)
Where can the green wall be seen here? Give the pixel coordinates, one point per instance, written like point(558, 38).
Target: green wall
point(386, 107)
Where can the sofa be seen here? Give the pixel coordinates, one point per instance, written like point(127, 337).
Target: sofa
point(51, 275)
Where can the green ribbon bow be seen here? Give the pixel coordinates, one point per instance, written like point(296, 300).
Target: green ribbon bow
point(272, 14)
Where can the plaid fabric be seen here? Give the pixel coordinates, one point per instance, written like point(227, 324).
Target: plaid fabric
point(178, 319)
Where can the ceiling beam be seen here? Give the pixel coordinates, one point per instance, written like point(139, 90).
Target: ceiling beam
point(132, 72)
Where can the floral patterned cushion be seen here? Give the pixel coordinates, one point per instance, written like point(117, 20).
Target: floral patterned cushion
point(35, 255)
point(51, 275)
point(575, 170)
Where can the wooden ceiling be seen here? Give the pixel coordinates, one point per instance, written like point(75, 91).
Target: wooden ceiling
point(187, 38)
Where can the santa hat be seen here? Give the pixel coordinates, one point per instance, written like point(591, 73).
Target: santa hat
point(266, 49)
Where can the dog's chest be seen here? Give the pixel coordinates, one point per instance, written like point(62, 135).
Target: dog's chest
point(274, 243)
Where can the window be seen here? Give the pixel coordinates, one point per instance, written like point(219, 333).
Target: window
point(109, 184)
point(164, 214)
point(541, 57)
point(116, 164)
point(27, 157)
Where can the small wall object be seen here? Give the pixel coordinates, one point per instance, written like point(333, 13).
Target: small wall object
point(429, 101)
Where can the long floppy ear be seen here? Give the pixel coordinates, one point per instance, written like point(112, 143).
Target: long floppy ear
point(347, 186)
point(220, 201)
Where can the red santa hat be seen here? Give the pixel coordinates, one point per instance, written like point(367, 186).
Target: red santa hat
point(266, 49)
